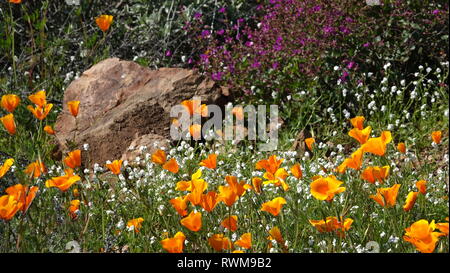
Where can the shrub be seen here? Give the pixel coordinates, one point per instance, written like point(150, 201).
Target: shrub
point(298, 45)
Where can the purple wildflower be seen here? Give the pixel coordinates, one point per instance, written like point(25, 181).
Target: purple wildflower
point(256, 64)
point(316, 8)
point(217, 76)
point(205, 33)
point(351, 65)
point(344, 76)
point(204, 58)
point(328, 30)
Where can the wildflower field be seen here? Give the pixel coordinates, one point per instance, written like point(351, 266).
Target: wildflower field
point(361, 163)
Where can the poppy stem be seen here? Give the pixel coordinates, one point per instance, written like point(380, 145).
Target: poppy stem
point(229, 229)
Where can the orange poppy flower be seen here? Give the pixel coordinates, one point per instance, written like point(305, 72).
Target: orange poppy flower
point(443, 227)
point(40, 112)
point(76, 192)
point(187, 185)
point(35, 169)
point(227, 195)
point(38, 98)
point(354, 161)
point(372, 174)
point(257, 182)
point(159, 157)
point(275, 234)
point(74, 209)
point(309, 142)
point(230, 223)
point(73, 160)
point(421, 234)
point(377, 145)
point(6, 166)
point(219, 242)
point(10, 102)
point(274, 207)
point(175, 244)
point(239, 188)
point(180, 205)
point(401, 147)
point(104, 22)
point(171, 166)
point(436, 136)
point(358, 122)
point(63, 183)
point(184, 186)
point(197, 187)
point(410, 201)
point(324, 188)
point(245, 241)
point(360, 135)
point(15, 1)
point(209, 201)
point(9, 206)
point(422, 186)
point(9, 123)
point(193, 221)
point(296, 171)
point(278, 179)
point(271, 165)
point(238, 112)
point(74, 107)
point(196, 131)
point(332, 224)
point(136, 224)
point(115, 166)
point(386, 197)
point(49, 130)
point(210, 162)
point(325, 226)
point(23, 195)
point(194, 107)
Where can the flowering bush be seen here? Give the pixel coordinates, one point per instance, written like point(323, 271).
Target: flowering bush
point(295, 44)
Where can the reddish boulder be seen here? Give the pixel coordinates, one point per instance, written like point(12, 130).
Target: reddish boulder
point(123, 104)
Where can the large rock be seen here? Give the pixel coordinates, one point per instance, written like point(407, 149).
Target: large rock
point(123, 104)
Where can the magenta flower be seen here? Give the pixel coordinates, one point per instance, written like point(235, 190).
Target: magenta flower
point(344, 76)
point(256, 64)
point(217, 76)
point(328, 30)
point(351, 65)
point(205, 33)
